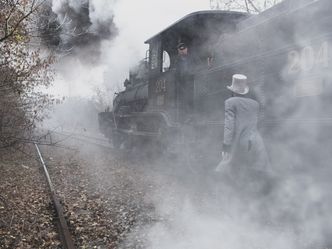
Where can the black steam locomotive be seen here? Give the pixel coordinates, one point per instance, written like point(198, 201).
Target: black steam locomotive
point(285, 53)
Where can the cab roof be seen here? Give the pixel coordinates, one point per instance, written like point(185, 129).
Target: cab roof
point(199, 18)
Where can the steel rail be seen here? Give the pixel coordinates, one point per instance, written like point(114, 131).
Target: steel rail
point(84, 138)
point(63, 227)
point(74, 134)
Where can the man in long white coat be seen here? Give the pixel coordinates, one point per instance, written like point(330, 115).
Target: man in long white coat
point(243, 147)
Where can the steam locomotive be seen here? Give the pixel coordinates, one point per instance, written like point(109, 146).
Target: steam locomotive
point(285, 53)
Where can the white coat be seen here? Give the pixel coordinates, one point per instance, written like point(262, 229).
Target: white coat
point(241, 136)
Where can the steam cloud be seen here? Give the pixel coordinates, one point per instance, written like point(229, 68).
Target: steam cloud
point(295, 215)
point(77, 27)
point(301, 202)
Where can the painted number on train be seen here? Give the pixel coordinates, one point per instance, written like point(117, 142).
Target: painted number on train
point(161, 86)
point(308, 58)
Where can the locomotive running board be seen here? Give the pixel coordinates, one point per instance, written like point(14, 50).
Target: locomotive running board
point(139, 133)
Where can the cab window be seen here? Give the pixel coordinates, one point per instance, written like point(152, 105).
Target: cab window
point(166, 63)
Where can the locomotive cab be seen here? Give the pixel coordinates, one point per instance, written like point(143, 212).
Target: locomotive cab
point(158, 98)
point(171, 91)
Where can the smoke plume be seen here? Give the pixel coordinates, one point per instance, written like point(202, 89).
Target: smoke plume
point(77, 28)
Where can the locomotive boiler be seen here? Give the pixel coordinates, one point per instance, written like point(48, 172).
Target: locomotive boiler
point(285, 53)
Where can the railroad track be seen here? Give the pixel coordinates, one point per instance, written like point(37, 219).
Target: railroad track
point(64, 233)
point(57, 137)
point(81, 205)
point(99, 141)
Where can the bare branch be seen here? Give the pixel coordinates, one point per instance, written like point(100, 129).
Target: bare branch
point(254, 6)
point(34, 6)
point(247, 7)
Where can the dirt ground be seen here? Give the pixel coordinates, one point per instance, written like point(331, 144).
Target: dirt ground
point(26, 217)
point(109, 196)
point(105, 196)
point(117, 199)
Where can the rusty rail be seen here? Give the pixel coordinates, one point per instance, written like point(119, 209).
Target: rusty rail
point(63, 227)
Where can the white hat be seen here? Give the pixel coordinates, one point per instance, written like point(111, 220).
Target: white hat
point(239, 84)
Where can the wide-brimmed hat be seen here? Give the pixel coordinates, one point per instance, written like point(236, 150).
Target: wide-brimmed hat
point(239, 84)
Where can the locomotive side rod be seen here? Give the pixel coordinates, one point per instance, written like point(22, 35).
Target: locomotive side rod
point(63, 227)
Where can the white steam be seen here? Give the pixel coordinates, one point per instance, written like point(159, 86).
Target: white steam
point(299, 201)
point(136, 21)
point(57, 4)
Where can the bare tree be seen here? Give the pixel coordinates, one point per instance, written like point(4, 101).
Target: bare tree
point(23, 70)
point(250, 6)
point(14, 15)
